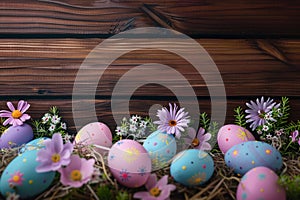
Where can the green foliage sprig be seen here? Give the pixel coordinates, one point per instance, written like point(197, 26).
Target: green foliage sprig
point(291, 185)
point(240, 117)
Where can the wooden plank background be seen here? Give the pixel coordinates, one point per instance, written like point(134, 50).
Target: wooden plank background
point(255, 45)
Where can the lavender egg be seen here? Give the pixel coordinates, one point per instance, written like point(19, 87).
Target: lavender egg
point(16, 136)
point(248, 155)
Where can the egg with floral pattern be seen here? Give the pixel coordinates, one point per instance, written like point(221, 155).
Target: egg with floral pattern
point(248, 155)
point(129, 163)
point(16, 136)
point(260, 183)
point(96, 133)
point(192, 167)
point(21, 178)
point(231, 134)
point(161, 148)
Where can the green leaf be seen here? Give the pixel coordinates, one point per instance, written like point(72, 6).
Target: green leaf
point(240, 117)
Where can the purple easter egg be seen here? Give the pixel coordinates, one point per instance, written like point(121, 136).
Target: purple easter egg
point(16, 136)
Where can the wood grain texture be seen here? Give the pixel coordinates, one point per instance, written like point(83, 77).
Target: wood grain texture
point(47, 68)
point(140, 107)
point(215, 18)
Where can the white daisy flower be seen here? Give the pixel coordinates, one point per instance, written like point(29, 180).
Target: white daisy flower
point(52, 127)
point(55, 119)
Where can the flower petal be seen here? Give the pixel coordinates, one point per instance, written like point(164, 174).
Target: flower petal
point(57, 142)
point(151, 182)
point(20, 105)
point(141, 195)
point(162, 182)
point(10, 106)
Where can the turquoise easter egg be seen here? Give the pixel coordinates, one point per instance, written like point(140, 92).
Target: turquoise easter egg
point(161, 148)
point(21, 178)
point(16, 136)
point(35, 144)
point(248, 155)
point(192, 167)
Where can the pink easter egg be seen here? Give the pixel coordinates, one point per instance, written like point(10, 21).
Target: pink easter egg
point(96, 133)
point(16, 136)
point(129, 163)
point(230, 135)
point(260, 183)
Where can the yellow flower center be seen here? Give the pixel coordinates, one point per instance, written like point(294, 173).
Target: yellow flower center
point(172, 123)
point(155, 191)
point(76, 175)
point(16, 178)
point(16, 114)
point(55, 157)
point(195, 142)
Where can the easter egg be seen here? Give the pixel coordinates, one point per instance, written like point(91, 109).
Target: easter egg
point(192, 167)
point(21, 178)
point(35, 144)
point(161, 148)
point(16, 136)
point(96, 133)
point(129, 163)
point(248, 155)
point(260, 183)
point(230, 135)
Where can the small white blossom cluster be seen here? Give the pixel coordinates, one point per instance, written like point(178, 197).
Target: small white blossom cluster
point(54, 122)
point(136, 126)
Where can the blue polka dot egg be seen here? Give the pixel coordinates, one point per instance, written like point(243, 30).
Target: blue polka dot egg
point(20, 176)
point(192, 167)
point(248, 155)
point(161, 148)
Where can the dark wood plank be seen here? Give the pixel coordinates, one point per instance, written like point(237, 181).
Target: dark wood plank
point(258, 18)
point(44, 68)
point(140, 107)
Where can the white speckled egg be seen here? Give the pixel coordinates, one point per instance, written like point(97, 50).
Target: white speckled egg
point(260, 183)
point(129, 163)
point(192, 167)
point(245, 156)
point(231, 134)
point(161, 148)
point(96, 133)
point(16, 136)
point(20, 176)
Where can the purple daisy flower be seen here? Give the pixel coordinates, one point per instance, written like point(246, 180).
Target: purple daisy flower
point(157, 190)
point(201, 141)
point(78, 172)
point(54, 155)
point(16, 117)
point(258, 110)
point(173, 121)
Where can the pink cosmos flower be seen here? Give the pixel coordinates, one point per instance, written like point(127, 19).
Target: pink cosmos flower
point(201, 140)
point(78, 172)
point(173, 121)
point(16, 178)
point(16, 117)
point(54, 155)
point(157, 190)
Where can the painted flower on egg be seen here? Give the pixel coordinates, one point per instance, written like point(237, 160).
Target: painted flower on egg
point(16, 178)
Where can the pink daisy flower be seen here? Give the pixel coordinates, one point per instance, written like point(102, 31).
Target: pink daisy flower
point(157, 190)
point(16, 117)
point(16, 178)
